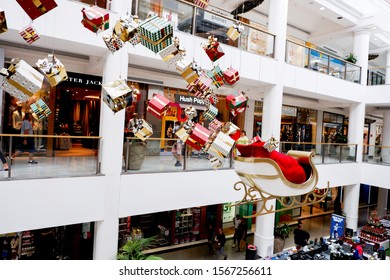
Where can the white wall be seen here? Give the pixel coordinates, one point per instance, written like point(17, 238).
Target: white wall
point(34, 204)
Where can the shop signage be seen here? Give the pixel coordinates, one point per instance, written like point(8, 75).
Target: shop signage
point(217, 19)
point(82, 80)
point(289, 111)
point(189, 100)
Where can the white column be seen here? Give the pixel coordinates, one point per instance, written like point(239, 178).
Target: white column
point(385, 152)
point(320, 120)
point(272, 113)
point(356, 128)
point(360, 49)
point(249, 118)
point(351, 206)
point(111, 130)
point(387, 80)
point(2, 58)
point(371, 140)
point(382, 201)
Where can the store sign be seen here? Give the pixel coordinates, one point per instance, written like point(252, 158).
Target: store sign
point(82, 80)
point(289, 111)
point(228, 213)
point(189, 100)
point(217, 19)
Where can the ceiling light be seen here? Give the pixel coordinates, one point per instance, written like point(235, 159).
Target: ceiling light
point(322, 8)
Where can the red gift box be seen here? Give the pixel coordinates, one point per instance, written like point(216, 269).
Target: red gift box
point(159, 103)
point(200, 134)
point(236, 100)
point(36, 8)
point(231, 76)
point(29, 34)
point(213, 49)
point(95, 19)
point(202, 3)
point(155, 113)
point(203, 82)
point(194, 89)
point(215, 125)
point(193, 144)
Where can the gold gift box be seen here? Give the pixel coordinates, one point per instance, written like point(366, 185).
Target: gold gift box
point(143, 131)
point(118, 95)
point(53, 69)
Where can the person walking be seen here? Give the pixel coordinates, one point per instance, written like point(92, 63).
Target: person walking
point(27, 143)
point(241, 234)
point(236, 223)
point(221, 240)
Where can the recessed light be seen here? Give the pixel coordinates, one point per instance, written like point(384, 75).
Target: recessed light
point(322, 8)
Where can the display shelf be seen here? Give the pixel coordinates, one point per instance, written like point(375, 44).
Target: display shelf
point(27, 244)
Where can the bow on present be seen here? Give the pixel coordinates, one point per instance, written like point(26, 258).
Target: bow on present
point(190, 112)
point(49, 64)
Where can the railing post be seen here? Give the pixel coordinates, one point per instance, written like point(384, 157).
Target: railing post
point(97, 157)
point(127, 154)
point(9, 157)
point(323, 153)
point(185, 157)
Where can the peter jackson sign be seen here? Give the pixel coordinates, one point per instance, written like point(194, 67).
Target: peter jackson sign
point(82, 80)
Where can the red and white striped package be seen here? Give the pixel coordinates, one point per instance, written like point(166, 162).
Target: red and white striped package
point(29, 34)
point(215, 125)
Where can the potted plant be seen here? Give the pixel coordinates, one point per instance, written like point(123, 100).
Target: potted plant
point(133, 249)
point(281, 232)
point(351, 58)
point(135, 153)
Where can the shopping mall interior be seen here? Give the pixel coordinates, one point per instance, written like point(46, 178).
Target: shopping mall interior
point(137, 109)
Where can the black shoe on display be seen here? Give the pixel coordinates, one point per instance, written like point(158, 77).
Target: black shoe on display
point(32, 162)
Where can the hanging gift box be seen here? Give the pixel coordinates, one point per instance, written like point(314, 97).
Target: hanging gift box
point(221, 146)
point(190, 112)
point(213, 49)
point(53, 69)
point(194, 89)
point(215, 163)
point(141, 128)
point(210, 113)
point(3, 22)
point(215, 125)
point(126, 27)
point(200, 134)
point(40, 109)
point(202, 3)
point(36, 8)
point(182, 133)
point(156, 33)
point(210, 98)
point(21, 80)
point(157, 114)
point(113, 42)
point(135, 40)
point(231, 129)
point(235, 31)
point(29, 34)
point(172, 53)
point(118, 95)
point(236, 100)
point(189, 74)
point(95, 19)
point(231, 76)
point(216, 75)
point(203, 82)
point(159, 103)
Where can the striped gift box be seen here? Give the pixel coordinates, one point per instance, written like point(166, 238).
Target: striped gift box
point(210, 98)
point(203, 82)
point(189, 74)
point(40, 109)
point(200, 134)
point(215, 125)
point(210, 113)
point(221, 146)
point(159, 103)
point(216, 75)
point(156, 33)
point(202, 3)
point(29, 34)
point(194, 89)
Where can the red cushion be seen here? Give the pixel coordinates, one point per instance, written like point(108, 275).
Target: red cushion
point(289, 165)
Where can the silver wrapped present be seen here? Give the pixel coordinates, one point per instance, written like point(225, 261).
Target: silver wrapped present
point(53, 69)
point(126, 27)
point(141, 128)
point(118, 95)
point(221, 146)
point(271, 144)
point(21, 80)
point(173, 53)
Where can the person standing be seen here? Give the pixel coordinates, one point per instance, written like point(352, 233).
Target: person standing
point(27, 144)
point(236, 223)
point(210, 239)
point(221, 240)
point(301, 237)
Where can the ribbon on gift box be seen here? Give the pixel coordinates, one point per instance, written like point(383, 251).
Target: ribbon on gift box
point(190, 112)
point(53, 69)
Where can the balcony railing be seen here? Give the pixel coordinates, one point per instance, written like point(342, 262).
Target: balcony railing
point(189, 18)
point(157, 156)
point(313, 59)
point(57, 156)
point(376, 154)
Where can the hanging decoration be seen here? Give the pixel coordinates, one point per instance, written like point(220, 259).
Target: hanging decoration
point(213, 49)
point(156, 33)
point(231, 76)
point(173, 53)
point(3, 22)
point(141, 128)
point(158, 105)
point(37, 8)
point(118, 95)
point(126, 27)
point(236, 102)
point(21, 80)
point(113, 42)
point(40, 109)
point(53, 69)
point(235, 31)
point(29, 34)
point(202, 3)
point(95, 19)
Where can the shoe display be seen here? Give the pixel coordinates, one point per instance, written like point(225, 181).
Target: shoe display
point(32, 162)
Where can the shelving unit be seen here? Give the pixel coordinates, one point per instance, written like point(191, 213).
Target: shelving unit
point(376, 234)
point(27, 244)
point(183, 226)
